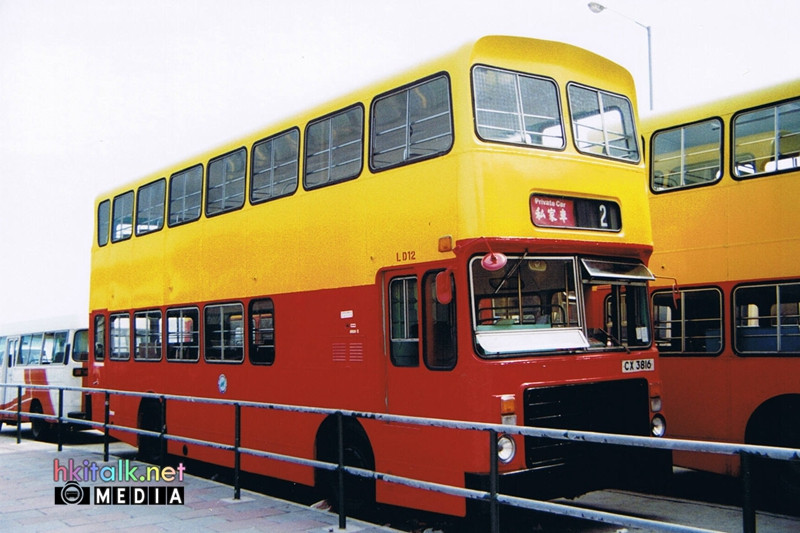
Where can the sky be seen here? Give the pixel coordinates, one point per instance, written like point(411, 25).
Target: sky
point(97, 93)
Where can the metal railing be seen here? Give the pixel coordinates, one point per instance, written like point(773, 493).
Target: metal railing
point(493, 497)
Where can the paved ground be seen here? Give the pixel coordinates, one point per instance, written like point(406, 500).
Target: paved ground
point(27, 489)
point(27, 493)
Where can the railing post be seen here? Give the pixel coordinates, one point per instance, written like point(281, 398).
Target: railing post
point(60, 414)
point(237, 491)
point(748, 509)
point(162, 441)
point(106, 437)
point(494, 511)
point(19, 414)
point(340, 469)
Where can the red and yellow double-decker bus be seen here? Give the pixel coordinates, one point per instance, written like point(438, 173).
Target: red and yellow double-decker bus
point(727, 310)
point(467, 241)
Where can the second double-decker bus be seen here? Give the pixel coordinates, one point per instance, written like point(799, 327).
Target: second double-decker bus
point(43, 352)
point(724, 178)
point(467, 241)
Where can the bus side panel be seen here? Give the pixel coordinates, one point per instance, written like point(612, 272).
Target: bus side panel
point(429, 454)
point(691, 382)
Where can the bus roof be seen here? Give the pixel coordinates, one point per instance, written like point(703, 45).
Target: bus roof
point(722, 106)
point(40, 325)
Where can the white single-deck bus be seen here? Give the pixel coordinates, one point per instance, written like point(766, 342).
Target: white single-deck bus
point(46, 352)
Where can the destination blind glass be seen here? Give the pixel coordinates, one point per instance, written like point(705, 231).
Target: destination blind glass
point(575, 213)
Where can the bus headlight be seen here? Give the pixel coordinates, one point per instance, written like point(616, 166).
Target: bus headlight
point(658, 426)
point(506, 449)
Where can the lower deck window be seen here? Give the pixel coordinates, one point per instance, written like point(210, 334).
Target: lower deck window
point(528, 305)
point(555, 304)
point(30, 349)
point(80, 345)
point(439, 341)
point(147, 335)
point(120, 336)
point(767, 319)
point(99, 337)
point(688, 322)
point(183, 334)
point(262, 332)
point(403, 315)
point(224, 334)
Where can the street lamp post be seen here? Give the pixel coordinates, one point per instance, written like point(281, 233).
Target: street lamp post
point(594, 7)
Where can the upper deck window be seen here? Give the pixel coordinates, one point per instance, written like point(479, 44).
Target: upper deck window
point(767, 140)
point(103, 220)
point(185, 193)
point(122, 217)
point(334, 148)
point(602, 123)
point(412, 123)
point(687, 156)
point(225, 187)
point(150, 207)
point(517, 108)
point(275, 162)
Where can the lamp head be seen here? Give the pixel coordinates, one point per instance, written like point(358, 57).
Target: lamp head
point(594, 7)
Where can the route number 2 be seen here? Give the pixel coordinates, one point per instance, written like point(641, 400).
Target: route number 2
point(603, 215)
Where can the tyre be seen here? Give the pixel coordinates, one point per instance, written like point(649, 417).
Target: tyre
point(40, 428)
point(777, 482)
point(150, 419)
point(359, 492)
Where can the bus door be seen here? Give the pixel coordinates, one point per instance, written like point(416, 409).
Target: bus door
point(420, 381)
point(9, 358)
point(422, 338)
point(3, 371)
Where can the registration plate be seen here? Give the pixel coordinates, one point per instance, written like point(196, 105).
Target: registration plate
point(638, 365)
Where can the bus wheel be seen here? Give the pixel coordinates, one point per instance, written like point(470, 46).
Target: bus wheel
point(777, 481)
point(149, 419)
point(359, 492)
point(40, 429)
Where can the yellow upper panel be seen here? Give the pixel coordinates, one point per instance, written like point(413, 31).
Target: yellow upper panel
point(341, 234)
point(730, 227)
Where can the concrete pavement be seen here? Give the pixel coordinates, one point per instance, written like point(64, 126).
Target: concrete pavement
point(28, 492)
